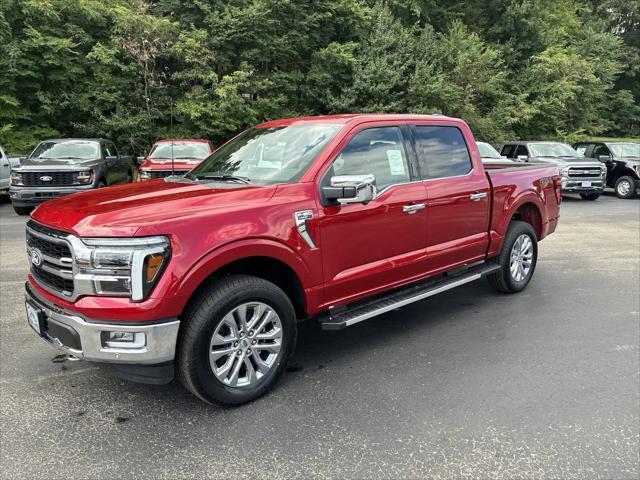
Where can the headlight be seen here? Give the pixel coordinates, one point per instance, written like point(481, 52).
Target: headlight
point(119, 266)
point(145, 175)
point(84, 177)
point(16, 178)
point(564, 171)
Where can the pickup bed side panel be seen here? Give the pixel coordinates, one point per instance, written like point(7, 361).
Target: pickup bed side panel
point(529, 187)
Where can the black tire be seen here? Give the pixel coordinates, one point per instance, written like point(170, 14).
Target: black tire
point(629, 191)
point(101, 184)
point(590, 196)
point(503, 280)
point(199, 323)
point(129, 178)
point(22, 210)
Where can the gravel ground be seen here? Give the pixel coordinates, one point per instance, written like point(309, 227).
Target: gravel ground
point(543, 384)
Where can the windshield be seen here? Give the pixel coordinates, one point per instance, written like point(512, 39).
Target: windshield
point(69, 149)
point(552, 150)
point(625, 149)
point(181, 150)
point(487, 151)
point(268, 156)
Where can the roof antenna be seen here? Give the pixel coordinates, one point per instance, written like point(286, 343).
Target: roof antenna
point(173, 172)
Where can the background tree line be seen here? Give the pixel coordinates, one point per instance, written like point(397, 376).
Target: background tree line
point(511, 68)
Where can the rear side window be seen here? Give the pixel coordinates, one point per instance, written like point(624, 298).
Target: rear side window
point(508, 151)
point(379, 151)
point(521, 151)
point(442, 152)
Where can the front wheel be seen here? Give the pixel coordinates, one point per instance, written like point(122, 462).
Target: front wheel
point(237, 340)
point(590, 196)
point(517, 258)
point(625, 187)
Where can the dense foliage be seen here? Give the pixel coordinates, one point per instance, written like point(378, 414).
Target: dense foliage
point(117, 68)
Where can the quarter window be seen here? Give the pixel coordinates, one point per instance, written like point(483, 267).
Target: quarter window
point(442, 152)
point(377, 151)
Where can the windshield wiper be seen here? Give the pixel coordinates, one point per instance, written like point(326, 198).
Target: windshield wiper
point(221, 177)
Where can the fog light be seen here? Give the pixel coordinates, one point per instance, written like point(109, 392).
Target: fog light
point(123, 339)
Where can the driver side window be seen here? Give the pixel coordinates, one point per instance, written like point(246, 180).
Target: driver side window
point(600, 150)
point(378, 151)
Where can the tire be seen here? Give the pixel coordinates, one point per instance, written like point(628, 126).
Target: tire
point(22, 210)
point(504, 280)
point(590, 196)
point(208, 328)
point(101, 184)
point(625, 187)
point(129, 178)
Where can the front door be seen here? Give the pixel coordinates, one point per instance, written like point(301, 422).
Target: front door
point(370, 247)
point(458, 198)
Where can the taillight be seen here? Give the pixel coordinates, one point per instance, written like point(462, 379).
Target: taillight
point(557, 187)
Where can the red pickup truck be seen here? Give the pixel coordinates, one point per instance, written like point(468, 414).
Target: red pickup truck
point(338, 218)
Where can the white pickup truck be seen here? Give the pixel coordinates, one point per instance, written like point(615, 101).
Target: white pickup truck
point(6, 164)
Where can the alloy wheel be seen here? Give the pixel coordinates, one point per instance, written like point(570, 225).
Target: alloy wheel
point(521, 258)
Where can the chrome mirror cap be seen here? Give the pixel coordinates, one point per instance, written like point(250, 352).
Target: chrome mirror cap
point(347, 189)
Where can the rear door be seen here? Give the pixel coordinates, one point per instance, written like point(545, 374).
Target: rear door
point(458, 197)
point(366, 248)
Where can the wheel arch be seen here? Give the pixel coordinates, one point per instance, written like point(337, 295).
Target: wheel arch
point(265, 259)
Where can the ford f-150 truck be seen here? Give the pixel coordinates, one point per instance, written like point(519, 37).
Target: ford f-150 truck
point(62, 166)
point(338, 218)
point(173, 157)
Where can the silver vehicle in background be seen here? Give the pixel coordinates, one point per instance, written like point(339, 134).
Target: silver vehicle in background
point(6, 164)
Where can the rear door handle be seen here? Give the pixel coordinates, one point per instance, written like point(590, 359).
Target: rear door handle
point(477, 196)
point(413, 208)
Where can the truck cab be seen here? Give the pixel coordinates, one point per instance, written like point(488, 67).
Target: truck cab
point(579, 175)
point(173, 157)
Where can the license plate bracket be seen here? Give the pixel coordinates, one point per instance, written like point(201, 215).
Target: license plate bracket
point(586, 184)
point(36, 318)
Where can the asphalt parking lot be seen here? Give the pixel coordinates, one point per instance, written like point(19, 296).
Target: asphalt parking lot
point(471, 383)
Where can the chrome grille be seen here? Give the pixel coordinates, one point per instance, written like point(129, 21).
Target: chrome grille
point(54, 271)
point(166, 173)
point(586, 173)
point(58, 179)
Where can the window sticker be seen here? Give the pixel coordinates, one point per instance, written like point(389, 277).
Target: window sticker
point(396, 163)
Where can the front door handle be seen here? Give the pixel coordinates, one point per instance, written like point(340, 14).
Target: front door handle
point(477, 196)
point(413, 208)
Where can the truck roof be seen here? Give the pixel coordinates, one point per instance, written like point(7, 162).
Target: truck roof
point(199, 140)
point(75, 138)
point(343, 119)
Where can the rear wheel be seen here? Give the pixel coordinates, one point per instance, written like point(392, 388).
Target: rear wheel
point(517, 258)
point(22, 210)
point(590, 196)
point(625, 187)
point(237, 340)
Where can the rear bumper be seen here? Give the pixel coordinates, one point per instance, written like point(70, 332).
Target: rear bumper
point(86, 339)
point(32, 196)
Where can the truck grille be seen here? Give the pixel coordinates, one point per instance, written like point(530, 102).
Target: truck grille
point(166, 173)
point(58, 179)
point(587, 173)
point(54, 272)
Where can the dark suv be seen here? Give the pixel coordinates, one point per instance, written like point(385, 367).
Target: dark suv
point(68, 165)
point(623, 164)
point(579, 175)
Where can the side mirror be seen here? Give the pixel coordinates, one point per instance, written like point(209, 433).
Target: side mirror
point(345, 189)
point(523, 158)
point(140, 160)
point(605, 158)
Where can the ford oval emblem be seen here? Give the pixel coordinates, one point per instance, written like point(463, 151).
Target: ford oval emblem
point(46, 178)
point(36, 257)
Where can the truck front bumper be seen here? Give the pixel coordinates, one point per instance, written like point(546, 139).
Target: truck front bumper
point(570, 185)
point(153, 343)
point(32, 196)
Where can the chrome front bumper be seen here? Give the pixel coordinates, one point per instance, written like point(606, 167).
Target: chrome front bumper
point(86, 339)
point(31, 196)
point(574, 185)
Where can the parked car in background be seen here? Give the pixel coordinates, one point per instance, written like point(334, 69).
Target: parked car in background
point(177, 156)
point(623, 164)
point(490, 156)
point(66, 165)
point(579, 175)
point(339, 218)
point(6, 164)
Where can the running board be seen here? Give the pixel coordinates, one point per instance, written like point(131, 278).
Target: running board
point(338, 319)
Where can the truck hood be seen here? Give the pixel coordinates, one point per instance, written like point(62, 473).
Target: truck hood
point(51, 164)
point(122, 210)
point(566, 161)
point(166, 165)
